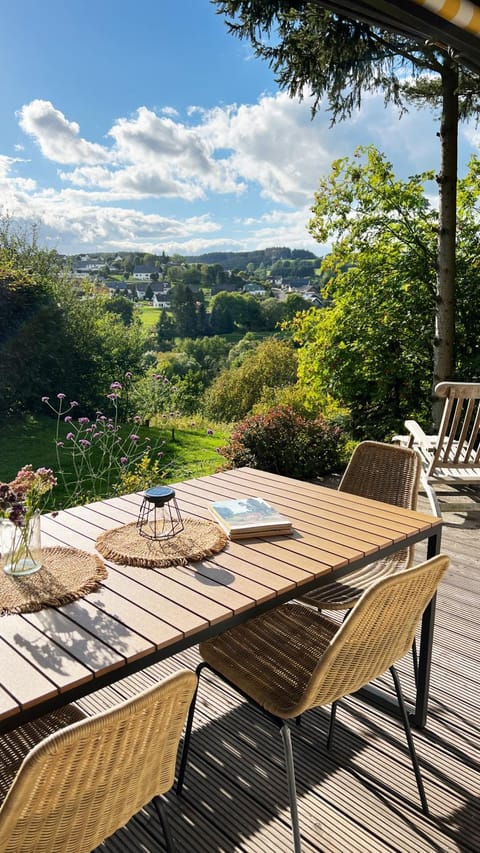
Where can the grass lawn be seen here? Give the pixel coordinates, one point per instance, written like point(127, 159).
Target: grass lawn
point(149, 315)
point(188, 451)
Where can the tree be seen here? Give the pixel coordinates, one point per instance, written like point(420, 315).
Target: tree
point(370, 347)
point(231, 396)
point(165, 330)
point(184, 311)
point(122, 307)
point(339, 59)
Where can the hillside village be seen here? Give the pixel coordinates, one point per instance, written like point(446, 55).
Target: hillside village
point(270, 272)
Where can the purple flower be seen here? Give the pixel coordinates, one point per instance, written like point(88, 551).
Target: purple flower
point(60, 396)
point(115, 386)
point(84, 442)
point(123, 460)
point(69, 436)
point(45, 399)
point(134, 437)
point(128, 375)
point(84, 420)
point(97, 434)
point(209, 431)
point(73, 403)
point(67, 419)
point(137, 419)
point(111, 396)
point(110, 426)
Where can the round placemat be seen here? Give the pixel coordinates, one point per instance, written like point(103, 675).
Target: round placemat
point(66, 574)
point(199, 539)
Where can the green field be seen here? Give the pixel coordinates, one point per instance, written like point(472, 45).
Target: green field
point(188, 450)
point(149, 315)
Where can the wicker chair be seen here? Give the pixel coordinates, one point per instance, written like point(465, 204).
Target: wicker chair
point(378, 471)
point(293, 658)
point(78, 785)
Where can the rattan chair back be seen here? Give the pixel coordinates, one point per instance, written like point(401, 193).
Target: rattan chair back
point(81, 784)
point(379, 631)
point(379, 472)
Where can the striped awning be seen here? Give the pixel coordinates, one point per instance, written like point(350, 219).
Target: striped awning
point(452, 24)
point(461, 13)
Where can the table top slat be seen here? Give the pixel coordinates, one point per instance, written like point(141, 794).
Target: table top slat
point(174, 613)
point(135, 618)
point(45, 657)
point(110, 631)
point(25, 683)
point(82, 645)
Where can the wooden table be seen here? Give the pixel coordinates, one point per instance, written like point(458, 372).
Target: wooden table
point(140, 616)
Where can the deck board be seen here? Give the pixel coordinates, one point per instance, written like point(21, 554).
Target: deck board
point(362, 796)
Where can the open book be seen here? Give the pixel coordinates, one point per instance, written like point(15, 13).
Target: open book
point(247, 517)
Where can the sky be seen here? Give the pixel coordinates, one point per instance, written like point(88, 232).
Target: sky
point(146, 126)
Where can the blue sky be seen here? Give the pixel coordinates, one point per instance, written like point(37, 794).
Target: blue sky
point(146, 126)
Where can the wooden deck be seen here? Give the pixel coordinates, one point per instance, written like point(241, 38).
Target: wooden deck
point(362, 796)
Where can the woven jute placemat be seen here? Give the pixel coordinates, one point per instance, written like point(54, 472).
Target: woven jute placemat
point(199, 539)
point(66, 574)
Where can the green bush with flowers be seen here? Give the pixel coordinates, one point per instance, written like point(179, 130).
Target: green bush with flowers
point(284, 442)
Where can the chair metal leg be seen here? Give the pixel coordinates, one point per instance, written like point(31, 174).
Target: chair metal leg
point(415, 662)
point(411, 745)
point(187, 735)
point(331, 727)
point(162, 814)
point(292, 792)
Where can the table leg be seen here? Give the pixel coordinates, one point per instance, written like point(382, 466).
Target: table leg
point(419, 718)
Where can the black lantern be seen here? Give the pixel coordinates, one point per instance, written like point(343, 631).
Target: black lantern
point(159, 516)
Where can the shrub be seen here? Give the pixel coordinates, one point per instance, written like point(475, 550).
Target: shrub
point(284, 442)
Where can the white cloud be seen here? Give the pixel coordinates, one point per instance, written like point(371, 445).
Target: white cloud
point(57, 137)
point(267, 156)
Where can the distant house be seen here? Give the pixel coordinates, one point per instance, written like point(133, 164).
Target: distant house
point(84, 268)
point(143, 272)
point(254, 289)
point(311, 296)
point(162, 299)
point(115, 287)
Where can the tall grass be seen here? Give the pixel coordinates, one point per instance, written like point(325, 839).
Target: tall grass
point(189, 448)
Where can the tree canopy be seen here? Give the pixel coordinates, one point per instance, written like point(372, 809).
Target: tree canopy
point(335, 59)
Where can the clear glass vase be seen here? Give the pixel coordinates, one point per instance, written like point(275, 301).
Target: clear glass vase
point(21, 547)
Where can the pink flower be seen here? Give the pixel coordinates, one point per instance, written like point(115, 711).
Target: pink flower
point(73, 403)
point(115, 386)
point(69, 436)
point(84, 442)
point(45, 399)
point(123, 460)
point(60, 396)
point(67, 419)
point(83, 420)
point(134, 437)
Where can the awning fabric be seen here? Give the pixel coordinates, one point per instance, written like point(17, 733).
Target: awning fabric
point(461, 13)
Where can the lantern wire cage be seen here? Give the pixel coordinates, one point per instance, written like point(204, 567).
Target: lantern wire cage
point(159, 516)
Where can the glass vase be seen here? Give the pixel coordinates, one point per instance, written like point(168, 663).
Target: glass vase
point(21, 547)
